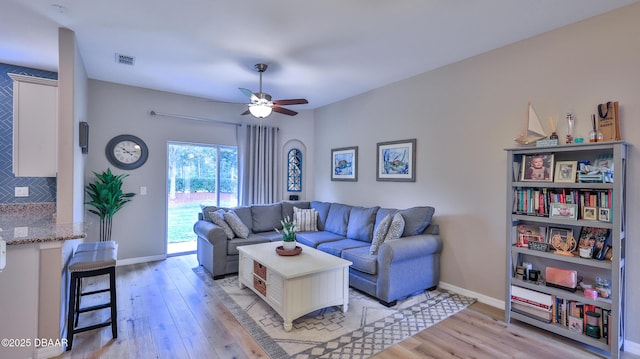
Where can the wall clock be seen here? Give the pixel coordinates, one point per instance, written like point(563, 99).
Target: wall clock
point(127, 152)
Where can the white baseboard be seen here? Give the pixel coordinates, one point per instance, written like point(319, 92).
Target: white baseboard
point(48, 352)
point(481, 297)
point(629, 346)
point(124, 262)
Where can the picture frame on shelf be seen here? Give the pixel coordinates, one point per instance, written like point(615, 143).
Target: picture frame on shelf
point(604, 162)
point(566, 171)
point(563, 210)
point(529, 232)
point(590, 213)
point(344, 164)
point(598, 238)
point(396, 161)
point(604, 214)
point(537, 167)
point(564, 232)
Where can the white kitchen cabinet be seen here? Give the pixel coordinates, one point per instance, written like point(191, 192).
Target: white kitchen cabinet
point(35, 126)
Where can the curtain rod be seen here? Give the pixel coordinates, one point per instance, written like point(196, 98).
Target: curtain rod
point(154, 113)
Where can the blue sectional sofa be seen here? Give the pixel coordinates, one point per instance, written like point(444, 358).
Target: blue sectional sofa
point(390, 271)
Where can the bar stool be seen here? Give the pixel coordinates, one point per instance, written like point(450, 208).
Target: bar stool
point(95, 246)
point(85, 264)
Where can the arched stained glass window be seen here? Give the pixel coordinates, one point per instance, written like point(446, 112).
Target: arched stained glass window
point(294, 170)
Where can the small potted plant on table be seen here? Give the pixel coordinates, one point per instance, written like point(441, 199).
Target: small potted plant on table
point(288, 234)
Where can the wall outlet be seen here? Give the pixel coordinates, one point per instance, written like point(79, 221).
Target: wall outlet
point(22, 191)
point(143, 191)
point(3, 254)
point(20, 232)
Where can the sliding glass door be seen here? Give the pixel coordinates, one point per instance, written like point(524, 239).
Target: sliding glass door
point(197, 175)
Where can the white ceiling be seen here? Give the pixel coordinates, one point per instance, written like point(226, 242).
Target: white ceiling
point(324, 51)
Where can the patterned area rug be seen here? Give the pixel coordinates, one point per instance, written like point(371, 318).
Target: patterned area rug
point(365, 329)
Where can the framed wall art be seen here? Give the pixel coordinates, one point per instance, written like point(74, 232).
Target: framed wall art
point(537, 167)
point(396, 161)
point(344, 164)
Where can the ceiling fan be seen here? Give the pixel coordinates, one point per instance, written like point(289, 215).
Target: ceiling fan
point(261, 104)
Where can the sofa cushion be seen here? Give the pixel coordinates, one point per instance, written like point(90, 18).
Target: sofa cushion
point(313, 239)
point(382, 212)
point(396, 228)
point(236, 224)
point(287, 207)
point(306, 220)
point(416, 219)
point(217, 217)
point(244, 213)
point(362, 260)
point(336, 247)
point(380, 233)
point(232, 245)
point(323, 210)
point(337, 219)
point(206, 210)
point(266, 217)
point(361, 221)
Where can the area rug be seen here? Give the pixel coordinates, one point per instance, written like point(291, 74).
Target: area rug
point(365, 329)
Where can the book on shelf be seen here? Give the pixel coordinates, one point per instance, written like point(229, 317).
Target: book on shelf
point(606, 320)
point(531, 311)
point(531, 297)
point(536, 201)
point(575, 324)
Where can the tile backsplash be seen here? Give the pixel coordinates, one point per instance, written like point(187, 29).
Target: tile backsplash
point(41, 189)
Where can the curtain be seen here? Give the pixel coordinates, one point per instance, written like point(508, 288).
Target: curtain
point(257, 164)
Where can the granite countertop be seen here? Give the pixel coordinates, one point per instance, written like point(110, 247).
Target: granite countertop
point(35, 223)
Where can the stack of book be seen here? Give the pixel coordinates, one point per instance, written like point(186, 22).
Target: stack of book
point(531, 303)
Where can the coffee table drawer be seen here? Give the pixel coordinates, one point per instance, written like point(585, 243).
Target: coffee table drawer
point(259, 269)
point(260, 285)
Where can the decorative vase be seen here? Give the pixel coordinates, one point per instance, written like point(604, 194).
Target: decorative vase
point(289, 245)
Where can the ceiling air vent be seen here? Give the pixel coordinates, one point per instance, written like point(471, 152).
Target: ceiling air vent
point(125, 59)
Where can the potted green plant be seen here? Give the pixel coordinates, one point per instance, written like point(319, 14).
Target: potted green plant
point(288, 234)
point(107, 198)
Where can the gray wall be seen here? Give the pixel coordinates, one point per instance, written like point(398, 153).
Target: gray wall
point(140, 227)
point(465, 114)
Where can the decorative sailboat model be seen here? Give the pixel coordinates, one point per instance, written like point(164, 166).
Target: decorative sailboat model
point(532, 130)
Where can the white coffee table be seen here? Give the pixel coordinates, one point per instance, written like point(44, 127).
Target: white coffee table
point(294, 285)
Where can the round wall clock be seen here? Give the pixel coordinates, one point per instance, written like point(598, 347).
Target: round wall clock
point(127, 152)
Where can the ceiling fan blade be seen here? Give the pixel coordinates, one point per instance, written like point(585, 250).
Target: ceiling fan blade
point(284, 111)
point(296, 101)
point(249, 94)
point(245, 113)
point(246, 92)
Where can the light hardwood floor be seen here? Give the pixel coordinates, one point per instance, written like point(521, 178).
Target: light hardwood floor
point(166, 311)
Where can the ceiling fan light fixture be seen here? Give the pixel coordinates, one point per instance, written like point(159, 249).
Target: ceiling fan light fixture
point(260, 110)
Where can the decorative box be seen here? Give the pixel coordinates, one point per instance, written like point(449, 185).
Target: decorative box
point(546, 143)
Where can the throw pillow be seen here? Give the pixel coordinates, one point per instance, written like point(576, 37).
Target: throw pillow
point(416, 219)
point(379, 234)
point(239, 228)
point(217, 217)
point(395, 228)
point(306, 220)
